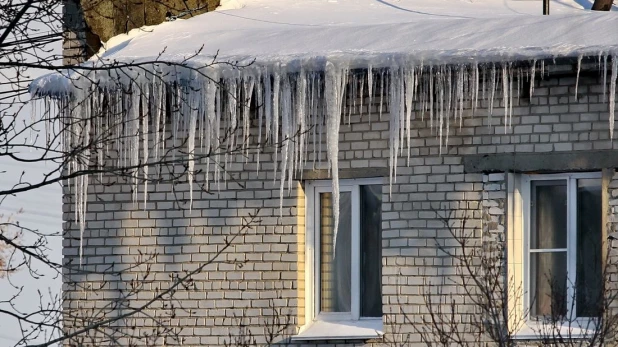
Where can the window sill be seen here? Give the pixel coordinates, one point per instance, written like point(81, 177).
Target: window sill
point(579, 329)
point(364, 329)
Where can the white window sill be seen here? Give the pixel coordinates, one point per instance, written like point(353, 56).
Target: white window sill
point(363, 329)
point(579, 329)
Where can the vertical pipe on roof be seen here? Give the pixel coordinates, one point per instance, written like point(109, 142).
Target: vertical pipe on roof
point(545, 7)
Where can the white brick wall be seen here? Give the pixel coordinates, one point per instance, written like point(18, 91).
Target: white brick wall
point(265, 265)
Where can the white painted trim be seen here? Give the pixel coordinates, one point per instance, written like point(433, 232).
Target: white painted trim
point(580, 328)
point(312, 271)
point(309, 253)
point(355, 253)
point(330, 316)
point(347, 182)
point(525, 222)
point(571, 257)
point(571, 183)
point(363, 329)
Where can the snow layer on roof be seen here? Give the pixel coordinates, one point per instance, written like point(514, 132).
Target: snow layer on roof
point(362, 33)
point(357, 31)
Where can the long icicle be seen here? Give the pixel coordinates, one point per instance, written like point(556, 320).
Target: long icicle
point(333, 121)
point(612, 96)
point(579, 66)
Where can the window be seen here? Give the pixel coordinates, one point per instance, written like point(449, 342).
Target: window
point(562, 220)
point(343, 280)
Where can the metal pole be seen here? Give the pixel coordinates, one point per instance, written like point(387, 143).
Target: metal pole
point(546, 7)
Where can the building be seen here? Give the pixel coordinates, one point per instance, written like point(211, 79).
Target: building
point(435, 145)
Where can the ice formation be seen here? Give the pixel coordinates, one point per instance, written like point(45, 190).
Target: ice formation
point(210, 114)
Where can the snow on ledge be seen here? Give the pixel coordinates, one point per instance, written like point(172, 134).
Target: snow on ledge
point(364, 329)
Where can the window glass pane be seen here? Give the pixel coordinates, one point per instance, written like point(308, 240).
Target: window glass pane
point(589, 262)
point(371, 251)
point(335, 253)
point(548, 284)
point(549, 215)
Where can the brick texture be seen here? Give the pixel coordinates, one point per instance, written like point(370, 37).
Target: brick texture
point(261, 275)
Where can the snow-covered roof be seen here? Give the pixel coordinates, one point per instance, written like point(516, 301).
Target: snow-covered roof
point(362, 33)
point(366, 30)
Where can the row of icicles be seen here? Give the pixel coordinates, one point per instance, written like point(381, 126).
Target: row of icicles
point(215, 117)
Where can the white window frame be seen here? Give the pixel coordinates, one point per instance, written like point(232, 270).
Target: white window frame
point(573, 322)
point(312, 268)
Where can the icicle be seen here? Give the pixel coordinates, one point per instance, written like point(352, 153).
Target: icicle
point(409, 95)
point(492, 92)
point(395, 122)
point(286, 95)
point(99, 134)
point(343, 88)
point(484, 86)
point(605, 76)
point(191, 151)
point(349, 102)
point(79, 136)
point(332, 93)
point(519, 86)
point(431, 97)
point(301, 105)
point(145, 130)
point(217, 127)
point(460, 93)
point(82, 190)
point(612, 95)
point(449, 103)
point(355, 92)
point(134, 132)
point(423, 93)
point(418, 74)
point(398, 78)
point(211, 114)
point(476, 88)
point(362, 95)
point(370, 90)
point(260, 110)
point(314, 117)
point(248, 84)
point(275, 118)
point(381, 93)
point(505, 95)
point(532, 71)
point(292, 137)
point(157, 111)
point(322, 115)
point(164, 111)
point(268, 106)
point(441, 87)
point(579, 66)
point(202, 116)
point(510, 69)
point(232, 103)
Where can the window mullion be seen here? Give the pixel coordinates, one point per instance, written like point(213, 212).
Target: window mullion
point(571, 246)
point(548, 250)
point(525, 220)
point(355, 295)
point(316, 253)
